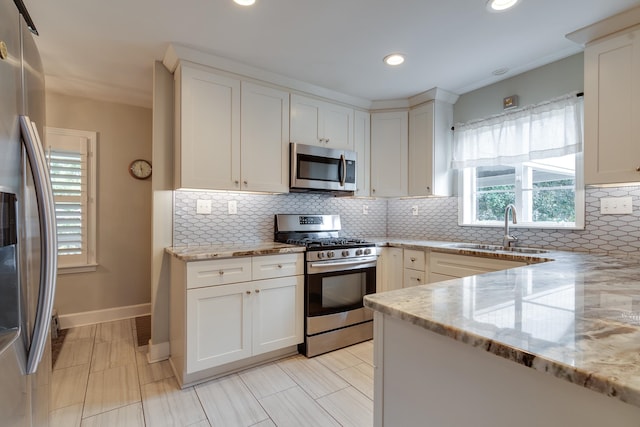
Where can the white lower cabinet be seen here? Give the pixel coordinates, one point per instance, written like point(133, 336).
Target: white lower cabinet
point(415, 264)
point(450, 266)
point(389, 269)
point(224, 326)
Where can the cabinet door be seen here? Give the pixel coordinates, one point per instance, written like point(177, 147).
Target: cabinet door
point(413, 278)
point(316, 122)
point(389, 154)
point(208, 126)
point(218, 325)
point(612, 108)
point(305, 120)
point(389, 272)
point(265, 139)
point(362, 143)
point(336, 126)
point(278, 313)
point(430, 149)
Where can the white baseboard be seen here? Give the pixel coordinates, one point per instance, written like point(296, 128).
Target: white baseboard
point(107, 315)
point(158, 352)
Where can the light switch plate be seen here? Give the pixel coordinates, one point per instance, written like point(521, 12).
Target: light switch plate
point(203, 207)
point(232, 207)
point(414, 210)
point(616, 205)
point(365, 210)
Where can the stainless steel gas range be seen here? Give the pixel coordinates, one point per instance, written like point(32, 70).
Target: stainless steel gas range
point(339, 272)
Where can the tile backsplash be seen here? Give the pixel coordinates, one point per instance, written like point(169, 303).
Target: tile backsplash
point(255, 218)
point(437, 219)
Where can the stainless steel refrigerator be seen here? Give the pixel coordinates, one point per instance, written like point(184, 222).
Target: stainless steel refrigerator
point(27, 227)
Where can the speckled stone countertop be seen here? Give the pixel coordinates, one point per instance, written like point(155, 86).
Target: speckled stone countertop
point(572, 315)
point(200, 253)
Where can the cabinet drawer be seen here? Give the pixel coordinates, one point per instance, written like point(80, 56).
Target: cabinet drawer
point(414, 259)
point(465, 265)
point(413, 278)
point(270, 266)
point(218, 272)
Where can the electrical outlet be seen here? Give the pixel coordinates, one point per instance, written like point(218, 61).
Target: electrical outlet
point(203, 207)
point(232, 207)
point(616, 205)
point(365, 210)
point(414, 210)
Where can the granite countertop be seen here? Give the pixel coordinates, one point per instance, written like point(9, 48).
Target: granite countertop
point(573, 315)
point(200, 253)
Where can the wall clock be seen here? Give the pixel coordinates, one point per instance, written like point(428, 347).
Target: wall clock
point(140, 169)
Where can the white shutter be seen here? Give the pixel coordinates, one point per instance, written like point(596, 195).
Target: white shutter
point(68, 155)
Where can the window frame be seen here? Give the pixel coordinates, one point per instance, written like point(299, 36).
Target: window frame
point(466, 201)
point(89, 261)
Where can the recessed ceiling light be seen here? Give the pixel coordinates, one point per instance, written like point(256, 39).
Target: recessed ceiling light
point(500, 5)
point(245, 2)
point(394, 59)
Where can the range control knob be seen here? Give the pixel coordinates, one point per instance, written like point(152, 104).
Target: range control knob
point(367, 251)
point(358, 252)
point(330, 254)
point(320, 255)
point(345, 253)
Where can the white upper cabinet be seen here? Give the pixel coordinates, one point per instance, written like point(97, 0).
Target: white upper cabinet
point(207, 149)
point(316, 122)
point(612, 109)
point(264, 146)
point(230, 135)
point(362, 139)
point(389, 154)
point(430, 149)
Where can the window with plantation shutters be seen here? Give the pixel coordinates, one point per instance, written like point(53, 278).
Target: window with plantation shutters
point(71, 159)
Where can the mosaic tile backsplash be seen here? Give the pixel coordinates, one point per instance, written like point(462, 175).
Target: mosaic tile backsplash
point(437, 220)
point(254, 221)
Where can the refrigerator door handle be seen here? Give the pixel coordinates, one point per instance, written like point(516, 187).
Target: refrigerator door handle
point(48, 241)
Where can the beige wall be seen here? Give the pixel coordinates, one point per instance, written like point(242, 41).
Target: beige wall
point(123, 205)
point(538, 85)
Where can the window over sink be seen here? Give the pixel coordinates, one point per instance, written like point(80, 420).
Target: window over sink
point(531, 158)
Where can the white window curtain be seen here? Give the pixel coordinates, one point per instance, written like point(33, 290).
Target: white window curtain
point(549, 129)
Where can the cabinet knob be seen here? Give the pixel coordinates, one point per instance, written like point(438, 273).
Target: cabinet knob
point(248, 292)
point(236, 182)
point(279, 265)
point(413, 259)
point(221, 272)
point(245, 182)
point(418, 279)
point(257, 291)
point(327, 140)
point(638, 169)
point(373, 190)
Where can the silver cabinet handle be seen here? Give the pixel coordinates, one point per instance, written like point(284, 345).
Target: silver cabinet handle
point(48, 238)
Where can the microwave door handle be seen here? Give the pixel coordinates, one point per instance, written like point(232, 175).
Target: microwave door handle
point(343, 172)
point(48, 266)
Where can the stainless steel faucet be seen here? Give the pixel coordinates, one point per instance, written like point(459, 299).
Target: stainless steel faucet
point(508, 240)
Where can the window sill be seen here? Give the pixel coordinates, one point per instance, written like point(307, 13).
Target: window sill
point(84, 268)
point(525, 226)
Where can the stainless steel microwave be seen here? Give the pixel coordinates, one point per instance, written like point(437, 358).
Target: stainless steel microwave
point(315, 168)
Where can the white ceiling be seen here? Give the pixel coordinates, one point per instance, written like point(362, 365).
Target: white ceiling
point(105, 49)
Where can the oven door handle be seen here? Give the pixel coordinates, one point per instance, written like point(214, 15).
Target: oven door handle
point(364, 263)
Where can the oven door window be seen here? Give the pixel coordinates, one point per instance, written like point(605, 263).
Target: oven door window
point(334, 292)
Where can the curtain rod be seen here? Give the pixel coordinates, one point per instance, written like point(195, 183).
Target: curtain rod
point(578, 95)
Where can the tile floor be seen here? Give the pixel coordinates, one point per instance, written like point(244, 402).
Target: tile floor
point(101, 379)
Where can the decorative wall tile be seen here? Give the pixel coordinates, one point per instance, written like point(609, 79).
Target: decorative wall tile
point(254, 221)
point(437, 220)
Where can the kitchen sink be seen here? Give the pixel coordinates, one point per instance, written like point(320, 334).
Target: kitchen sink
point(496, 248)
